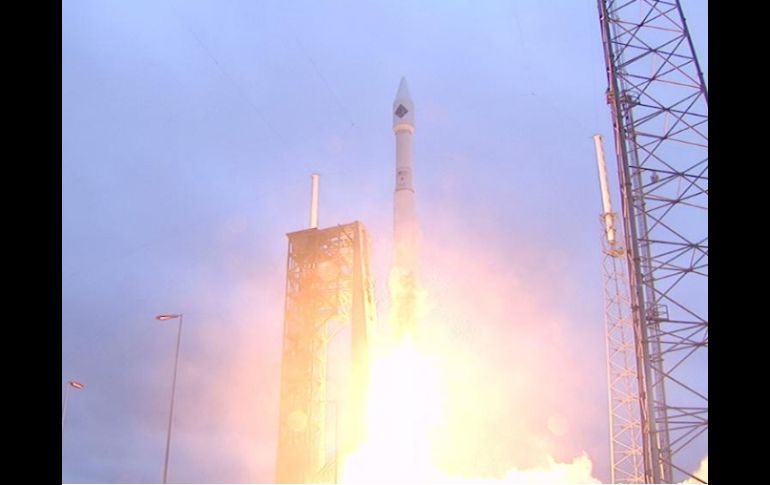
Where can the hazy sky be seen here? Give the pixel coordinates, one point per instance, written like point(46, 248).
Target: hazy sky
point(189, 132)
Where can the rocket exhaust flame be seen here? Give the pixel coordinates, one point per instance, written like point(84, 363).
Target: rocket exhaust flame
point(427, 400)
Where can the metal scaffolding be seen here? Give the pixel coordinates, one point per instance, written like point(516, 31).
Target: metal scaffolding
point(659, 107)
point(328, 286)
point(622, 345)
point(623, 392)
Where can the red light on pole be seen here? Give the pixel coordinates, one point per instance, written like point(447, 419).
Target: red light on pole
point(77, 385)
point(172, 316)
point(162, 318)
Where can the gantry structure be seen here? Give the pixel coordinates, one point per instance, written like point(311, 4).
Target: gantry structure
point(622, 345)
point(328, 287)
point(659, 105)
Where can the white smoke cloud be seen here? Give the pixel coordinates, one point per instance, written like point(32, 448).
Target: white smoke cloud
point(702, 472)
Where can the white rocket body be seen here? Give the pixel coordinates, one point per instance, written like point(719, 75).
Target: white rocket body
point(404, 216)
point(405, 229)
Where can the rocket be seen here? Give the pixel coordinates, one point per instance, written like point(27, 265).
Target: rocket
point(405, 228)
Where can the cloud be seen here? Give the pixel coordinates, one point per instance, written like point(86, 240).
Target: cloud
point(702, 472)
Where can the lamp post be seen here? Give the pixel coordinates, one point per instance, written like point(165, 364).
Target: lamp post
point(163, 318)
point(76, 385)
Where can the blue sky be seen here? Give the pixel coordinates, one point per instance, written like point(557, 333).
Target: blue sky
point(189, 132)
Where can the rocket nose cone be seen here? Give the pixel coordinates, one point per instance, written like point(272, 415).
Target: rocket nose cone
point(403, 107)
point(403, 91)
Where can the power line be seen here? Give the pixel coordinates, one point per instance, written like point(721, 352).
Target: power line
point(232, 80)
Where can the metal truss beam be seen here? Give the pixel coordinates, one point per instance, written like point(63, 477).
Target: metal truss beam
point(626, 452)
point(659, 105)
point(328, 285)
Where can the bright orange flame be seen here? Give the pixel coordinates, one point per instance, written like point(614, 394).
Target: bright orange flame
point(405, 405)
point(425, 398)
point(472, 396)
point(407, 410)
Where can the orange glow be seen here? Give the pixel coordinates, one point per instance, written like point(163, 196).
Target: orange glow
point(407, 420)
point(405, 405)
point(440, 413)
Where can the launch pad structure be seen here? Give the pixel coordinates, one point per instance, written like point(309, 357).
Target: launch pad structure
point(623, 344)
point(659, 103)
point(328, 287)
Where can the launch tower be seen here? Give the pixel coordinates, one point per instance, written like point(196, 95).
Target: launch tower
point(659, 108)
point(328, 285)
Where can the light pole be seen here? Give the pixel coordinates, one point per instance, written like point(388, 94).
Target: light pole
point(163, 318)
point(76, 385)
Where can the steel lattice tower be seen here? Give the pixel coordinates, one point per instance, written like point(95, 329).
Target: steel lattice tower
point(626, 452)
point(328, 286)
point(659, 108)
